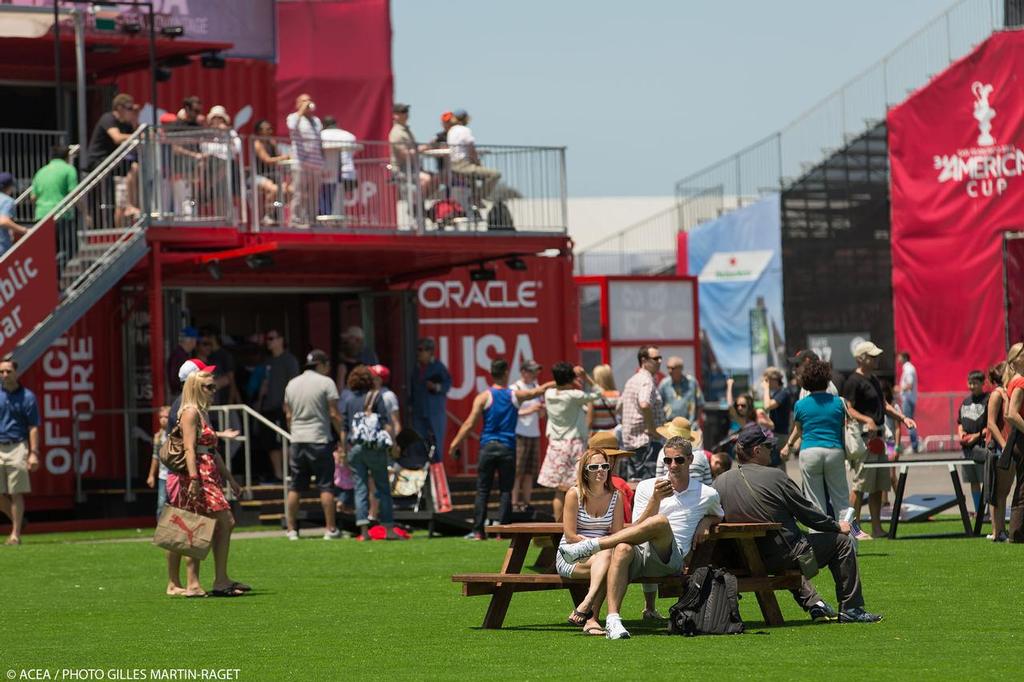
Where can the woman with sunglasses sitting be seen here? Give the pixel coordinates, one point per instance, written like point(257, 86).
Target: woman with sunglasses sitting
point(200, 489)
point(593, 509)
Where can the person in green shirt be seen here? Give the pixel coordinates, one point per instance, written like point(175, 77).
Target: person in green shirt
point(53, 182)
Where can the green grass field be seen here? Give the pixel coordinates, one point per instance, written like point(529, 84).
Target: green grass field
point(348, 610)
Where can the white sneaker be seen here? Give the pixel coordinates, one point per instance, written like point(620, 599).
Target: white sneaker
point(292, 535)
point(333, 534)
point(614, 629)
point(574, 552)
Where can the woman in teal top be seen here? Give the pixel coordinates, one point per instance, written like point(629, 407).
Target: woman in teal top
point(818, 421)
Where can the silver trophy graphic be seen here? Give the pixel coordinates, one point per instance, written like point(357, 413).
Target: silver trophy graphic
point(983, 113)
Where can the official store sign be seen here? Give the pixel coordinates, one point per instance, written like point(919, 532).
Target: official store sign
point(735, 266)
point(984, 170)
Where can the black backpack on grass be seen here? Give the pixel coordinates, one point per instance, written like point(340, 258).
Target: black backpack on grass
point(710, 605)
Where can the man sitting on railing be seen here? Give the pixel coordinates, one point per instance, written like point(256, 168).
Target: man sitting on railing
point(405, 162)
point(9, 230)
point(465, 159)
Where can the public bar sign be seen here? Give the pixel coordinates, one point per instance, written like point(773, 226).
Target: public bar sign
point(28, 285)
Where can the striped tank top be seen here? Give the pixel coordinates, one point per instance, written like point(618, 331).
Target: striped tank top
point(596, 526)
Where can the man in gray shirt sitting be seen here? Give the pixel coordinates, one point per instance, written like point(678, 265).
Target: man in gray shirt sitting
point(310, 408)
point(757, 491)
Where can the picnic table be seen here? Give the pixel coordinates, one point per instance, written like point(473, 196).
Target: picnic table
point(729, 545)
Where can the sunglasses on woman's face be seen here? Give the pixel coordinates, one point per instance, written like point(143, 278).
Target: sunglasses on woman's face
point(599, 467)
point(209, 387)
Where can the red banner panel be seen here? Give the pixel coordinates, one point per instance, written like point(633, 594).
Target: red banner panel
point(519, 315)
point(28, 285)
point(956, 151)
point(339, 53)
point(79, 374)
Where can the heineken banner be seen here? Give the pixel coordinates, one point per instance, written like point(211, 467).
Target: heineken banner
point(737, 262)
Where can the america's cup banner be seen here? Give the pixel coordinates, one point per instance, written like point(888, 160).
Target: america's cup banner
point(519, 315)
point(956, 155)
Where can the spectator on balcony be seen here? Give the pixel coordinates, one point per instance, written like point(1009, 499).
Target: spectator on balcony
point(465, 159)
point(282, 367)
point(340, 167)
point(53, 182)
point(405, 160)
point(305, 127)
point(268, 173)
point(222, 152)
point(191, 113)
point(9, 230)
point(113, 128)
point(188, 339)
point(430, 385)
point(440, 141)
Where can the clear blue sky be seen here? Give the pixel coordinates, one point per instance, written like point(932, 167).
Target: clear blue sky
point(644, 92)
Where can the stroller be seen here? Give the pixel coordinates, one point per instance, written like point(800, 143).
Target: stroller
point(411, 471)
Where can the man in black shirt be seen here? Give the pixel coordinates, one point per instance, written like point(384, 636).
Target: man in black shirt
point(113, 128)
point(754, 491)
point(863, 393)
point(778, 398)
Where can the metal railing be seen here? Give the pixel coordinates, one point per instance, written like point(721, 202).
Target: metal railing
point(366, 185)
point(225, 416)
point(98, 218)
point(22, 153)
point(776, 161)
point(630, 250)
point(198, 177)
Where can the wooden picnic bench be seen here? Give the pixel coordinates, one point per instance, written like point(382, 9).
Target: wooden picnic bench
point(729, 545)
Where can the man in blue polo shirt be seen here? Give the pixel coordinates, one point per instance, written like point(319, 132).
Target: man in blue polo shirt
point(19, 445)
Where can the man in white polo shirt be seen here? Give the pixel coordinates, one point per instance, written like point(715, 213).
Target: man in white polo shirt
point(670, 516)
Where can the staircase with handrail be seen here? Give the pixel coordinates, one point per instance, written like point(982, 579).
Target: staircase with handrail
point(100, 237)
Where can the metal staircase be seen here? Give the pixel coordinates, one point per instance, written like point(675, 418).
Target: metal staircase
point(100, 237)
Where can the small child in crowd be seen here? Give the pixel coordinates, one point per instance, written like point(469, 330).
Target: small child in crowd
point(157, 471)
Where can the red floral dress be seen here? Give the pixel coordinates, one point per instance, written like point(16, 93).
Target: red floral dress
point(212, 498)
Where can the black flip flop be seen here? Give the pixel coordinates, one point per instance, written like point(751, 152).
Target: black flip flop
point(584, 617)
point(231, 591)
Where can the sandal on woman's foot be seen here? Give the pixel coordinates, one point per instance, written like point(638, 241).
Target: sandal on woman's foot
point(594, 631)
point(578, 618)
point(229, 591)
point(193, 595)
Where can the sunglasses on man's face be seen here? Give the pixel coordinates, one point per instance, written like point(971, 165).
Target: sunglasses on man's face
point(669, 461)
point(273, 338)
point(599, 467)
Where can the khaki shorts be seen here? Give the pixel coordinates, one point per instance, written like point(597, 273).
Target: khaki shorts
point(14, 469)
point(647, 564)
point(873, 480)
